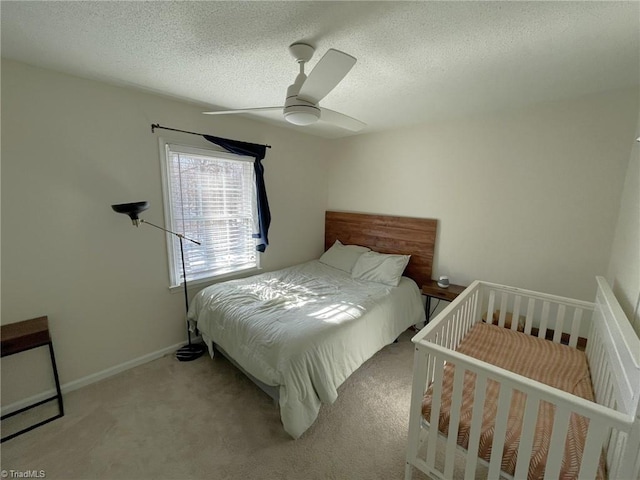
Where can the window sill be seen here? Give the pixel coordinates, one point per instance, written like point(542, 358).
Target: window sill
point(205, 282)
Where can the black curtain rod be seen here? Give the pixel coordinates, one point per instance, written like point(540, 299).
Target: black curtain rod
point(155, 125)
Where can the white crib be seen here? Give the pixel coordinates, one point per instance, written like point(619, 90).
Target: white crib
point(613, 356)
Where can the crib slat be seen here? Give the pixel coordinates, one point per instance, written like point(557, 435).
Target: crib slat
point(604, 379)
point(443, 335)
point(435, 411)
point(452, 332)
point(556, 447)
point(600, 368)
point(592, 448)
point(597, 354)
point(515, 319)
point(630, 466)
point(477, 307)
point(557, 335)
point(446, 335)
point(421, 360)
point(497, 447)
point(476, 425)
point(503, 309)
point(492, 299)
point(609, 397)
point(429, 377)
point(596, 367)
point(454, 420)
point(526, 438)
point(575, 327)
point(460, 327)
point(455, 330)
point(467, 318)
point(468, 322)
point(593, 334)
point(616, 440)
point(529, 321)
point(544, 319)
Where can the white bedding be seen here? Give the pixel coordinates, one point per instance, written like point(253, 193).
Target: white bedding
point(305, 329)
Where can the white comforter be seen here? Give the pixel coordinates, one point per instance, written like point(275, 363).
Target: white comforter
point(305, 329)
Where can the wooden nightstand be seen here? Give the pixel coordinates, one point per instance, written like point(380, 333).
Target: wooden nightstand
point(432, 290)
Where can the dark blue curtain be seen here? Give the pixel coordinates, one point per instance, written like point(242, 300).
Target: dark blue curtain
point(258, 152)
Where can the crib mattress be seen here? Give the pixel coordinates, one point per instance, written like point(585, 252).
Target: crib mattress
point(554, 364)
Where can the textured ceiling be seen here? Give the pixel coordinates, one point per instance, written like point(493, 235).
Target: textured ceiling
point(417, 61)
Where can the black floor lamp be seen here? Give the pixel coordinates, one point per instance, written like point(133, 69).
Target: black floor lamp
point(191, 351)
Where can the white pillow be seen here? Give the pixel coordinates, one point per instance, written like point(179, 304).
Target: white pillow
point(380, 267)
point(342, 256)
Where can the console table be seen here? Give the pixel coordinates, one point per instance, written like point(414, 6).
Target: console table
point(20, 337)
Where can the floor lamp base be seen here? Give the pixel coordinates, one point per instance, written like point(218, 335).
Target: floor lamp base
point(190, 352)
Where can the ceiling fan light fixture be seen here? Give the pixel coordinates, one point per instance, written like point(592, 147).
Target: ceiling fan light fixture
point(302, 114)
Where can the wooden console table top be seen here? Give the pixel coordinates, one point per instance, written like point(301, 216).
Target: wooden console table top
point(20, 336)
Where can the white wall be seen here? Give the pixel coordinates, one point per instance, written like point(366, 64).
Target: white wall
point(70, 149)
point(624, 265)
point(526, 197)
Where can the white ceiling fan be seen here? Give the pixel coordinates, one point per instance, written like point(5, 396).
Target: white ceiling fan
point(301, 105)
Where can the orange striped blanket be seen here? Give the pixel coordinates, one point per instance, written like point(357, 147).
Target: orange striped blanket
point(556, 365)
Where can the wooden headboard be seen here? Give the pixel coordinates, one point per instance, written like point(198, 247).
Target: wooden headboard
point(387, 234)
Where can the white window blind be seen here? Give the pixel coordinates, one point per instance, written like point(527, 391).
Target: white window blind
point(211, 199)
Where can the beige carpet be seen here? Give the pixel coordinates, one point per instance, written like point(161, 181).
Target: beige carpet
point(205, 420)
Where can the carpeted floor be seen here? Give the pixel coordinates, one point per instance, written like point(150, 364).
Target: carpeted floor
point(205, 420)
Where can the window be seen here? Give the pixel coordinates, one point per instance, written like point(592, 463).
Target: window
point(209, 197)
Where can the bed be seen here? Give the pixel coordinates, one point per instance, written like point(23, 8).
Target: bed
point(299, 332)
point(526, 398)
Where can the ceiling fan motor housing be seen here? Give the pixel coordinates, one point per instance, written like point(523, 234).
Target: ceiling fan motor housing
point(296, 110)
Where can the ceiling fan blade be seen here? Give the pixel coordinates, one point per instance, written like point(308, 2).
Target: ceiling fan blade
point(324, 77)
point(243, 110)
point(341, 120)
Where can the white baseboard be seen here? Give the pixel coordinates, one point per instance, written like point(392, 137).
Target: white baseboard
point(89, 379)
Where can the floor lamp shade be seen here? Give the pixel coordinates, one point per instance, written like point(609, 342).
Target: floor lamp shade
point(131, 209)
point(190, 351)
